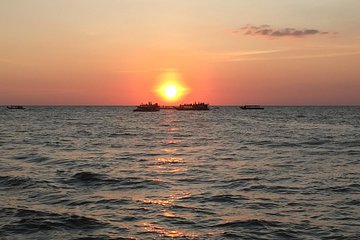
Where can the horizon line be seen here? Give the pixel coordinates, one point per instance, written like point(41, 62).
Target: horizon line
point(216, 105)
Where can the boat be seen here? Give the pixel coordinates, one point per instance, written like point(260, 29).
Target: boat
point(15, 107)
point(193, 107)
point(251, 107)
point(149, 107)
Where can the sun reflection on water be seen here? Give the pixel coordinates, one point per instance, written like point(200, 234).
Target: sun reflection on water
point(162, 202)
point(167, 201)
point(169, 165)
point(168, 214)
point(170, 160)
point(152, 228)
point(169, 150)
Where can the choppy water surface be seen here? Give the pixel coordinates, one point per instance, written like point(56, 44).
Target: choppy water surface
point(110, 173)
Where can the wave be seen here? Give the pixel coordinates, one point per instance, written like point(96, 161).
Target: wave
point(350, 143)
point(32, 157)
point(97, 179)
point(17, 182)
point(224, 198)
point(274, 189)
point(27, 221)
point(315, 142)
point(89, 176)
point(230, 235)
point(190, 209)
point(350, 188)
point(238, 182)
point(251, 223)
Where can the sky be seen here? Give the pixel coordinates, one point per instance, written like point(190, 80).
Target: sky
point(224, 52)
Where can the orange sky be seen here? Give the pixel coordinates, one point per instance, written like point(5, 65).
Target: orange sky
point(112, 52)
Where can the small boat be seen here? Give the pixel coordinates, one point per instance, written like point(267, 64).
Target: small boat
point(193, 107)
point(251, 107)
point(149, 107)
point(15, 107)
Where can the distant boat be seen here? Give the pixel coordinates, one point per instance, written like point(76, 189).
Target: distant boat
point(251, 107)
point(149, 107)
point(193, 107)
point(15, 107)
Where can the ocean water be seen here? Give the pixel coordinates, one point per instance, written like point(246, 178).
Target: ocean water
point(227, 173)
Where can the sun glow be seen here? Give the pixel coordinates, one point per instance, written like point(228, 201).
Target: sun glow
point(170, 86)
point(170, 91)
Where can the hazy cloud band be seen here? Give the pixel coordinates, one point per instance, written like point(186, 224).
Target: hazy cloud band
point(269, 31)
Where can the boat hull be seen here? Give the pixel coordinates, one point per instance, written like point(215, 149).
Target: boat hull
point(251, 108)
point(191, 109)
point(147, 107)
point(147, 110)
point(15, 107)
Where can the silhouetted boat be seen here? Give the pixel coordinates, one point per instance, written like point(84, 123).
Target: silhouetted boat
point(15, 107)
point(251, 107)
point(193, 107)
point(149, 107)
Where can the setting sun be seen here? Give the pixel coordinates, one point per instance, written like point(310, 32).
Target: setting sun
point(170, 91)
point(170, 86)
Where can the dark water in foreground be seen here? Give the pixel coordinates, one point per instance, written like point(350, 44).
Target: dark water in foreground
point(110, 173)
